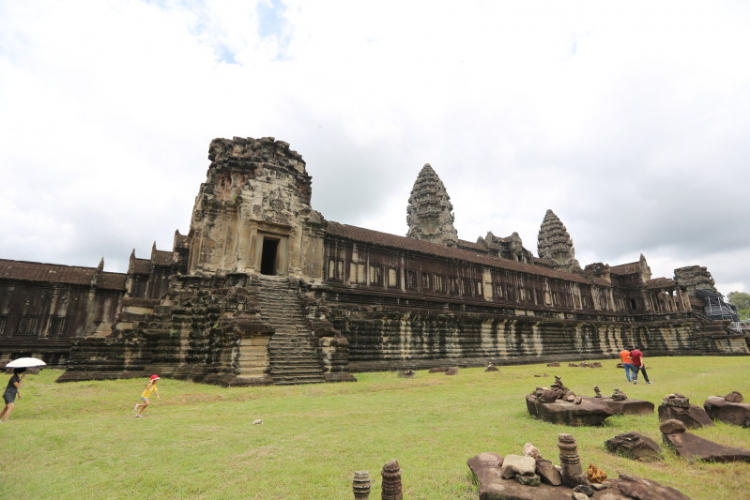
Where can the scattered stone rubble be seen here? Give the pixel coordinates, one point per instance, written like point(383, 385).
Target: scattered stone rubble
point(585, 364)
point(490, 368)
point(690, 446)
point(558, 404)
point(730, 409)
point(407, 374)
point(531, 477)
point(677, 406)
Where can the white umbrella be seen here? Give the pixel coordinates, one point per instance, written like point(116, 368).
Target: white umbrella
point(25, 363)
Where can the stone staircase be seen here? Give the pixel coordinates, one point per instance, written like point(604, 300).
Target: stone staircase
point(293, 352)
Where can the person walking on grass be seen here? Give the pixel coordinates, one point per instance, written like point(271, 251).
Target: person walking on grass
point(146, 396)
point(627, 362)
point(11, 391)
point(637, 356)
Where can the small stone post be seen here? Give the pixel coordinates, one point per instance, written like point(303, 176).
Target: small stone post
point(361, 485)
point(572, 472)
point(391, 487)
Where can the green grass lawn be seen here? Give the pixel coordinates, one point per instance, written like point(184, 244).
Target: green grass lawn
point(80, 440)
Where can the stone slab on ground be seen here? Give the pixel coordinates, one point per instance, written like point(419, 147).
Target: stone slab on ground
point(693, 417)
point(720, 409)
point(486, 469)
point(688, 445)
point(563, 412)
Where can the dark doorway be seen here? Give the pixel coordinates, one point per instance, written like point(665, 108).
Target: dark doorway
point(268, 259)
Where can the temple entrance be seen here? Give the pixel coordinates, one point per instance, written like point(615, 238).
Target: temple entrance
point(268, 256)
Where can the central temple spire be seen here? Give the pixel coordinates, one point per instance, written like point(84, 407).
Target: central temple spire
point(556, 245)
point(429, 213)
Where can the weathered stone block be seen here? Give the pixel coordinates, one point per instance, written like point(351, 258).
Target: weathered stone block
point(635, 446)
point(561, 412)
point(693, 416)
point(728, 412)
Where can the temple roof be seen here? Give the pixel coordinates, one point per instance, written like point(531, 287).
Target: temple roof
point(630, 268)
point(140, 266)
point(56, 273)
point(425, 247)
point(660, 283)
point(162, 258)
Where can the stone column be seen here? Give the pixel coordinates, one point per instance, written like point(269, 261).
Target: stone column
point(361, 485)
point(391, 488)
point(572, 472)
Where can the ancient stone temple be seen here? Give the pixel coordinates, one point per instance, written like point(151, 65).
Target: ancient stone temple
point(264, 290)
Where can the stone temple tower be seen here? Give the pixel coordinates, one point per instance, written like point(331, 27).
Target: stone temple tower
point(555, 245)
point(430, 212)
point(253, 214)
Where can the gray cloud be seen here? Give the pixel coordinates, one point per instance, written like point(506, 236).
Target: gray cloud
point(628, 125)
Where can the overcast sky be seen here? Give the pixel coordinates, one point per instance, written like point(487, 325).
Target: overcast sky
point(629, 120)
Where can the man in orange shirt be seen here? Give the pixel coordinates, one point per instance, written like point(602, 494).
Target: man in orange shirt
point(627, 362)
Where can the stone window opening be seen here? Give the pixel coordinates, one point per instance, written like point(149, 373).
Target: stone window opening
point(411, 280)
point(335, 269)
point(57, 326)
point(376, 275)
point(426, 282)
point(3, 322)
point(633, 304)
point(393, 278)
point(28, 325)
point(454, 286)
point(439, 283)
point(358, 273)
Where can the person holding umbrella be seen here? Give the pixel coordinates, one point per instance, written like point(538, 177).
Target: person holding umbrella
point(11, 391)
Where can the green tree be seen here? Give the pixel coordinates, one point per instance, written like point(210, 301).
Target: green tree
point(740, 300)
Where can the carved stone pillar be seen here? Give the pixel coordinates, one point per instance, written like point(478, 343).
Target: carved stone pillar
point(391, 488)
point(361, 485)
point(572, 472)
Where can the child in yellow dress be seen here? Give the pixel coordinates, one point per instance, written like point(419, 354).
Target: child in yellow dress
point(150, 389)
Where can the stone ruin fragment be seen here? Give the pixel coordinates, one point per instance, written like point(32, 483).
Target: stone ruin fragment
point(618, 395)
point(677, 406)
point(407, 374)
point(532, 477)
point(688, 445)
point(558, 404)
point(635, 446)
point(730, 409)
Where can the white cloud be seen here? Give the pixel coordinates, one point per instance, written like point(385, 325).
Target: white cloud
point(627, 120)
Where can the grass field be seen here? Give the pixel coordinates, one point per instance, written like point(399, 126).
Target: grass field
point(80, 440)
